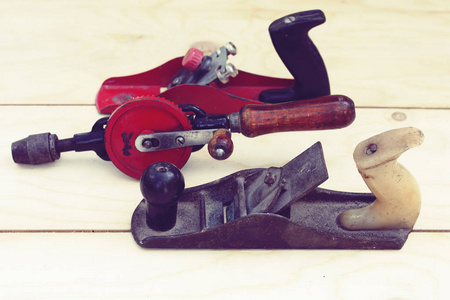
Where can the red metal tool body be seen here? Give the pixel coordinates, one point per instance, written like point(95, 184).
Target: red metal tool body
point(239, 91)
point(216, 86)
point(145, 130)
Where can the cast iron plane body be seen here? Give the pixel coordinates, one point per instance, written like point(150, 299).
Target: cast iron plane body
point(274, 208)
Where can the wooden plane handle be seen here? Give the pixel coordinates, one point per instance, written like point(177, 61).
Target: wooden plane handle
point(328, 112)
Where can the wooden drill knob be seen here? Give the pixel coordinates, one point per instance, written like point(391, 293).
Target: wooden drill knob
point(220, 147)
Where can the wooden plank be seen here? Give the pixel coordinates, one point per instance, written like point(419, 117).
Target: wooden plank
point(105, 266)
point(80, 191)
point(378, 52)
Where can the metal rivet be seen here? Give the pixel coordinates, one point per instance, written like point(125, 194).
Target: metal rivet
point(219, 153)
point(270, 178)
point(150, 143)
point(147, 144)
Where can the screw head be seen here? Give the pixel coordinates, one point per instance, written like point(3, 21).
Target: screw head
point(180, 141)
point(371, 149)
point(289, 19)
point(176, 81)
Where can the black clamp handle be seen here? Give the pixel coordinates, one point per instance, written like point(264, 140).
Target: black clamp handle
point(300, 56)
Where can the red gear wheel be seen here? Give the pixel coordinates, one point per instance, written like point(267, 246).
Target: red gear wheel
point(144, 115)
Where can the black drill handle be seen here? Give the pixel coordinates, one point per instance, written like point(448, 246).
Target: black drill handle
point(300, 56)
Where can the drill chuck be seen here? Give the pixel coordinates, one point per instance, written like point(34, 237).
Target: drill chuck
point(36, 149)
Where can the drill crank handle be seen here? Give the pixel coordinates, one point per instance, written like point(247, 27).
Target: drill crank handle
point(328, 112)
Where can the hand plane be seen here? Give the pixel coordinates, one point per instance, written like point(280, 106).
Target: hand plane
point(283, 208)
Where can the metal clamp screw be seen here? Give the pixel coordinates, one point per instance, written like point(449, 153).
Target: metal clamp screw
point(223, 74)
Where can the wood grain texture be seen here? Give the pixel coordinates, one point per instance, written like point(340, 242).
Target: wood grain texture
point(322, 113)
point(391, 58)
point(105, 266)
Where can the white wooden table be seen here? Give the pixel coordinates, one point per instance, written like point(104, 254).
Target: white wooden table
point(64, 227)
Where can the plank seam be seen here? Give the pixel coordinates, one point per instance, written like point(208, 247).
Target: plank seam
point(128, 231)
point(89, 105)
point(44, 104)
point(66, 231)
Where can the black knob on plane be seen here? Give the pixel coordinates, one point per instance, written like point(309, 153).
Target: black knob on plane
point(162, 184)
